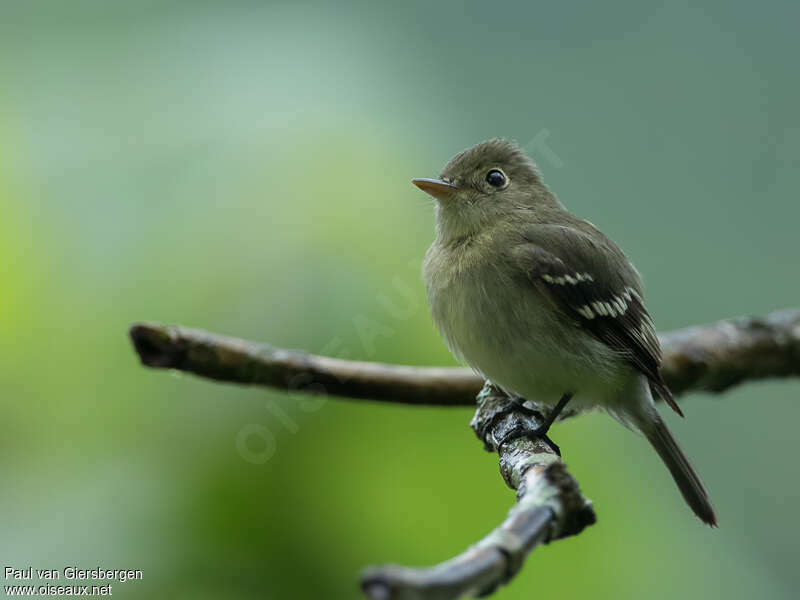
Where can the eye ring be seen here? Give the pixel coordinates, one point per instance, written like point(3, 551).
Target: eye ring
point(496, 178)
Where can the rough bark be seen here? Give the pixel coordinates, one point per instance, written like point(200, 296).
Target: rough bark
point(708, 357)
point(549, 507)
point(549, 503)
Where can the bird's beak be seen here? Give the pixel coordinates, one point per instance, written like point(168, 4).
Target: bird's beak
point(436, 188)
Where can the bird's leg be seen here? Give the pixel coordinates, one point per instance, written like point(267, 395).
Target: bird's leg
point(539, 432)
point(553, 415)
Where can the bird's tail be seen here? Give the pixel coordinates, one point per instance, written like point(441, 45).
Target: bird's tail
point(656, 432)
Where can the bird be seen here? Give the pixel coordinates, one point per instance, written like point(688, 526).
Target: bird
point(544, 305)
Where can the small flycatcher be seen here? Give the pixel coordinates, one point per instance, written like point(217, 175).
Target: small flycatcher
point(543, 304)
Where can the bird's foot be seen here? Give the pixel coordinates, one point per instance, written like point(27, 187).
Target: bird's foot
point(533, 434)
point(514, 404)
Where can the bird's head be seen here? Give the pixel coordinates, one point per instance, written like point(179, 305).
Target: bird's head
point(490, 183)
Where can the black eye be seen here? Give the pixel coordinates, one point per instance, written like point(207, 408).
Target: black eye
point(495, 178)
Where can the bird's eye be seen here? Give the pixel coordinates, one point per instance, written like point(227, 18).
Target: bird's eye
point(496, 178)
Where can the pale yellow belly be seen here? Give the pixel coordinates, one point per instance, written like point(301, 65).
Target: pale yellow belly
point(517, 339)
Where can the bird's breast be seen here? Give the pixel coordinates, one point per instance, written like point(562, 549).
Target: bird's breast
point(495, 320)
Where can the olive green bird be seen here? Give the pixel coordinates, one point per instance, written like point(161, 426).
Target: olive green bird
point(543, 304)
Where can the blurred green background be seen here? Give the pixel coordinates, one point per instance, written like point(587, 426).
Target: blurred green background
point(244, 167)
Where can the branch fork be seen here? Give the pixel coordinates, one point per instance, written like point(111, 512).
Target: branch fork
point(549, 505)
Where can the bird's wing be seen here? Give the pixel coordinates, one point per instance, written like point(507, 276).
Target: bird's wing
point(591, 281)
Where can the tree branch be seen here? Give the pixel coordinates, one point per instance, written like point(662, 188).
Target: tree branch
point(241, 361)
point(708, 357)
point(549, 507)
point(717, 357)
point(549, 503)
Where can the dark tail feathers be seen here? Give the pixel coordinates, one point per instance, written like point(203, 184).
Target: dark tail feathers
point(688, 482)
